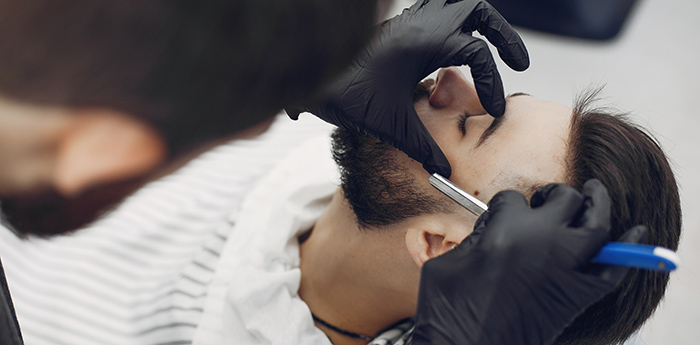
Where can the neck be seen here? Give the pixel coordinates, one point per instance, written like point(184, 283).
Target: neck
point(346, 276)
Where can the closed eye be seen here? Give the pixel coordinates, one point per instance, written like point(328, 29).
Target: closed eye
point(497, 122)
point(463, 123)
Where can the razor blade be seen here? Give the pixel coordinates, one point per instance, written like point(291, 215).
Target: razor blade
point(455, 193)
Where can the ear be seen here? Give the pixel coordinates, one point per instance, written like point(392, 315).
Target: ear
point(102, 145)
point(435, 234)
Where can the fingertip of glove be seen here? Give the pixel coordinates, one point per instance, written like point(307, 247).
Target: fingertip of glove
point(293, 113)
point(496, 108)
point(541, 195)
point(521, 65)
point(521, 61)
point(433, 167)
point(506, 197)
point(592, 185)
point(638, 234)
point(435, 161)
point(595, 191)
point(493, 101)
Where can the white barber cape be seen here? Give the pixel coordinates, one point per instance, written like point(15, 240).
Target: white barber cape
point(140, 275)
point(253, 298)
point(187, 256)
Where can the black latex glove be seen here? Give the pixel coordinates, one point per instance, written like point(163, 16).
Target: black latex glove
point(375, 96)
point(524, 274)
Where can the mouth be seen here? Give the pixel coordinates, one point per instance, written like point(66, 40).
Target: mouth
point(422, 90)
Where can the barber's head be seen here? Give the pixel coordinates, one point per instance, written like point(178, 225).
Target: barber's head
point(536, 142)
point(97, 96)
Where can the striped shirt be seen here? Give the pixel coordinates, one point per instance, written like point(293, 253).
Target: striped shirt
point(140, 274)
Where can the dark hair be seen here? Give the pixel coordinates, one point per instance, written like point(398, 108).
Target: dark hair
point(630, 163)
point(195, 70)
point(378, 187)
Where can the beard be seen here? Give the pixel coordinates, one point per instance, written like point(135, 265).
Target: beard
point(48, 213)
point(380, 189)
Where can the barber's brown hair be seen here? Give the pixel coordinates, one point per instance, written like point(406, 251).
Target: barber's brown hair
point(195, 70)
point(605, 145)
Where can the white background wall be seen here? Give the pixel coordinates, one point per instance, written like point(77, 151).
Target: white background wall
point(652, 70)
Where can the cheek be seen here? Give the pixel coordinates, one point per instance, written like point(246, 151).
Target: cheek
point(475, 172)
point(443, 126)
point(460, 228)
point(414, 167)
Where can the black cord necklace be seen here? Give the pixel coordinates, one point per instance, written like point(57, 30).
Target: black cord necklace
point(342, 331)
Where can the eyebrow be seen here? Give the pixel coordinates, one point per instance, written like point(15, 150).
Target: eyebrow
point(516, 94)
point(497, 121)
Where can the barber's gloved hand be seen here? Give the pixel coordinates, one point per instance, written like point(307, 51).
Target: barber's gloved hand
point(375, 96)
point(524, 274)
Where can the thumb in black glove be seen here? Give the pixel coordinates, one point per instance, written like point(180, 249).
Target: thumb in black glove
point(525, 272)
point(375, 96)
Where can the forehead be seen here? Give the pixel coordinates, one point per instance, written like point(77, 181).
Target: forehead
point(537, 120)
point(523, 102)
point(537, 133)
point(528, 150)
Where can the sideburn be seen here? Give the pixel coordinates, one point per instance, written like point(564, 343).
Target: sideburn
point(380, 190)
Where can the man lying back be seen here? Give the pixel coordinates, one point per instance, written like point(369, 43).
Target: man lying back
point(360, 262)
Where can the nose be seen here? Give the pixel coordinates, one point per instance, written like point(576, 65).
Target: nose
point(452, 89)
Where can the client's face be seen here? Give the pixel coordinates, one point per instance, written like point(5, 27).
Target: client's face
point(522, 150)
